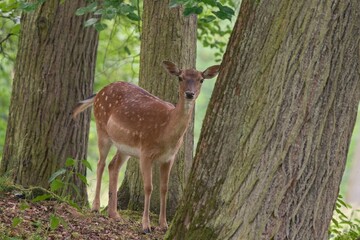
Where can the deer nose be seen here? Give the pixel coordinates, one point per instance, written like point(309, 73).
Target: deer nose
point(189, 95)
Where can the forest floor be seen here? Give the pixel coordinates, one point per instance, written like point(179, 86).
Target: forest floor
point(22, 217)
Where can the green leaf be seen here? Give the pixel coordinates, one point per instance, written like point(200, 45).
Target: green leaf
point(340, 213)
point(54, 222)
point(335, 222)
point(343, 203)
point(193, 10)
point(81, 11)
point(173, 4)
point(100, 26)
point(16, 221)
point(15, 29)
point(92, 7)
point(127, 50)
point(109, 13)
point(126, 9)
point(23, 206)
point(222, 15)
point(133, 16)
point(56, 185)
point(27, 6)
point(56, 174)
point(41, 198)
point(90, 22)
point(208, 18)
point(84, 162)
point(99, 12)
point(82, 178)
point(69, 162)
point(225, 9)
point(73, 204)
point(89, 8)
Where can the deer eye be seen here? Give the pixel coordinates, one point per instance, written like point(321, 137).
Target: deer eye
point(180, 79)
point(201, 80)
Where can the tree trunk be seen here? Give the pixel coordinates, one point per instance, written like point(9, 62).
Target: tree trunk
point(166, 35)
point(273, 146)
point(54, 69)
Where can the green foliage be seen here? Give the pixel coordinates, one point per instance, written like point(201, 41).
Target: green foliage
point(108, 10)
point(9, 31)
point(30, 6)
point(344, 227)
point(16, 221)
point(217, 8)
point(213, 31)
point(60, 180)
point(55, 221)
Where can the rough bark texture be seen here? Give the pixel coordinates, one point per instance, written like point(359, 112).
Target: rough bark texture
point(166, 35)
point(275, 137)
point(54, 69)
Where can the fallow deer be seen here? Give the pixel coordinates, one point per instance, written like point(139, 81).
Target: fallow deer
point(143, 126)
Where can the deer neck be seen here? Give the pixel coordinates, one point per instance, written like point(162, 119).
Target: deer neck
point(180, 117)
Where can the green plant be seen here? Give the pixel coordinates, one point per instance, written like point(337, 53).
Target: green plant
point(344, 226)
point(60, 180)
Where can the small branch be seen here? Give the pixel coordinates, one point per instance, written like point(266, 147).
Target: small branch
point(6, 38)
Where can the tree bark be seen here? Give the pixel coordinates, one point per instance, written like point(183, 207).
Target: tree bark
point(54, 69)
point(275, 138)
point(166, 35)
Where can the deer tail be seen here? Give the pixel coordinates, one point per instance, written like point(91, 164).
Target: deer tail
point(82, 105)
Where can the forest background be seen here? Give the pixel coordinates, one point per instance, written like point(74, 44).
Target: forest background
point(118, 57)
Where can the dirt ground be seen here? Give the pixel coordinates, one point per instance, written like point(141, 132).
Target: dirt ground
point(50, 219)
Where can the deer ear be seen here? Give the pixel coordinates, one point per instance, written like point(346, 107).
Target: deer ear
point(171, 68)
point(211, 72)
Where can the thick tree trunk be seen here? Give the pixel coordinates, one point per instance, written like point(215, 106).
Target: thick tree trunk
point(166, 35)
point(275, 138)
point(54, 69)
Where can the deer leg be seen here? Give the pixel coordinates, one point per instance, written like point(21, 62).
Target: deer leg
point(165, 169)
point(114, 168)
point(146, 171)
point(104, 146)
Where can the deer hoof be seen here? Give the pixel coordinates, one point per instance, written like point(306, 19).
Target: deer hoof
point(146, 230)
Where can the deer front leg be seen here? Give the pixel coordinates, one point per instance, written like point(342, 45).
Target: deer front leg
point(114, 168)
point(146, 171)
point(104, 145)
point(165, 169)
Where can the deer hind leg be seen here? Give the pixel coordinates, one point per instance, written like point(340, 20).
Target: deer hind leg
point(165, 169)
point(114, 168)
point(146, 172)
point(104, 144)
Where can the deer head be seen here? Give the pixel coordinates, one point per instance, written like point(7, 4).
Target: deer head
point(190, 79)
